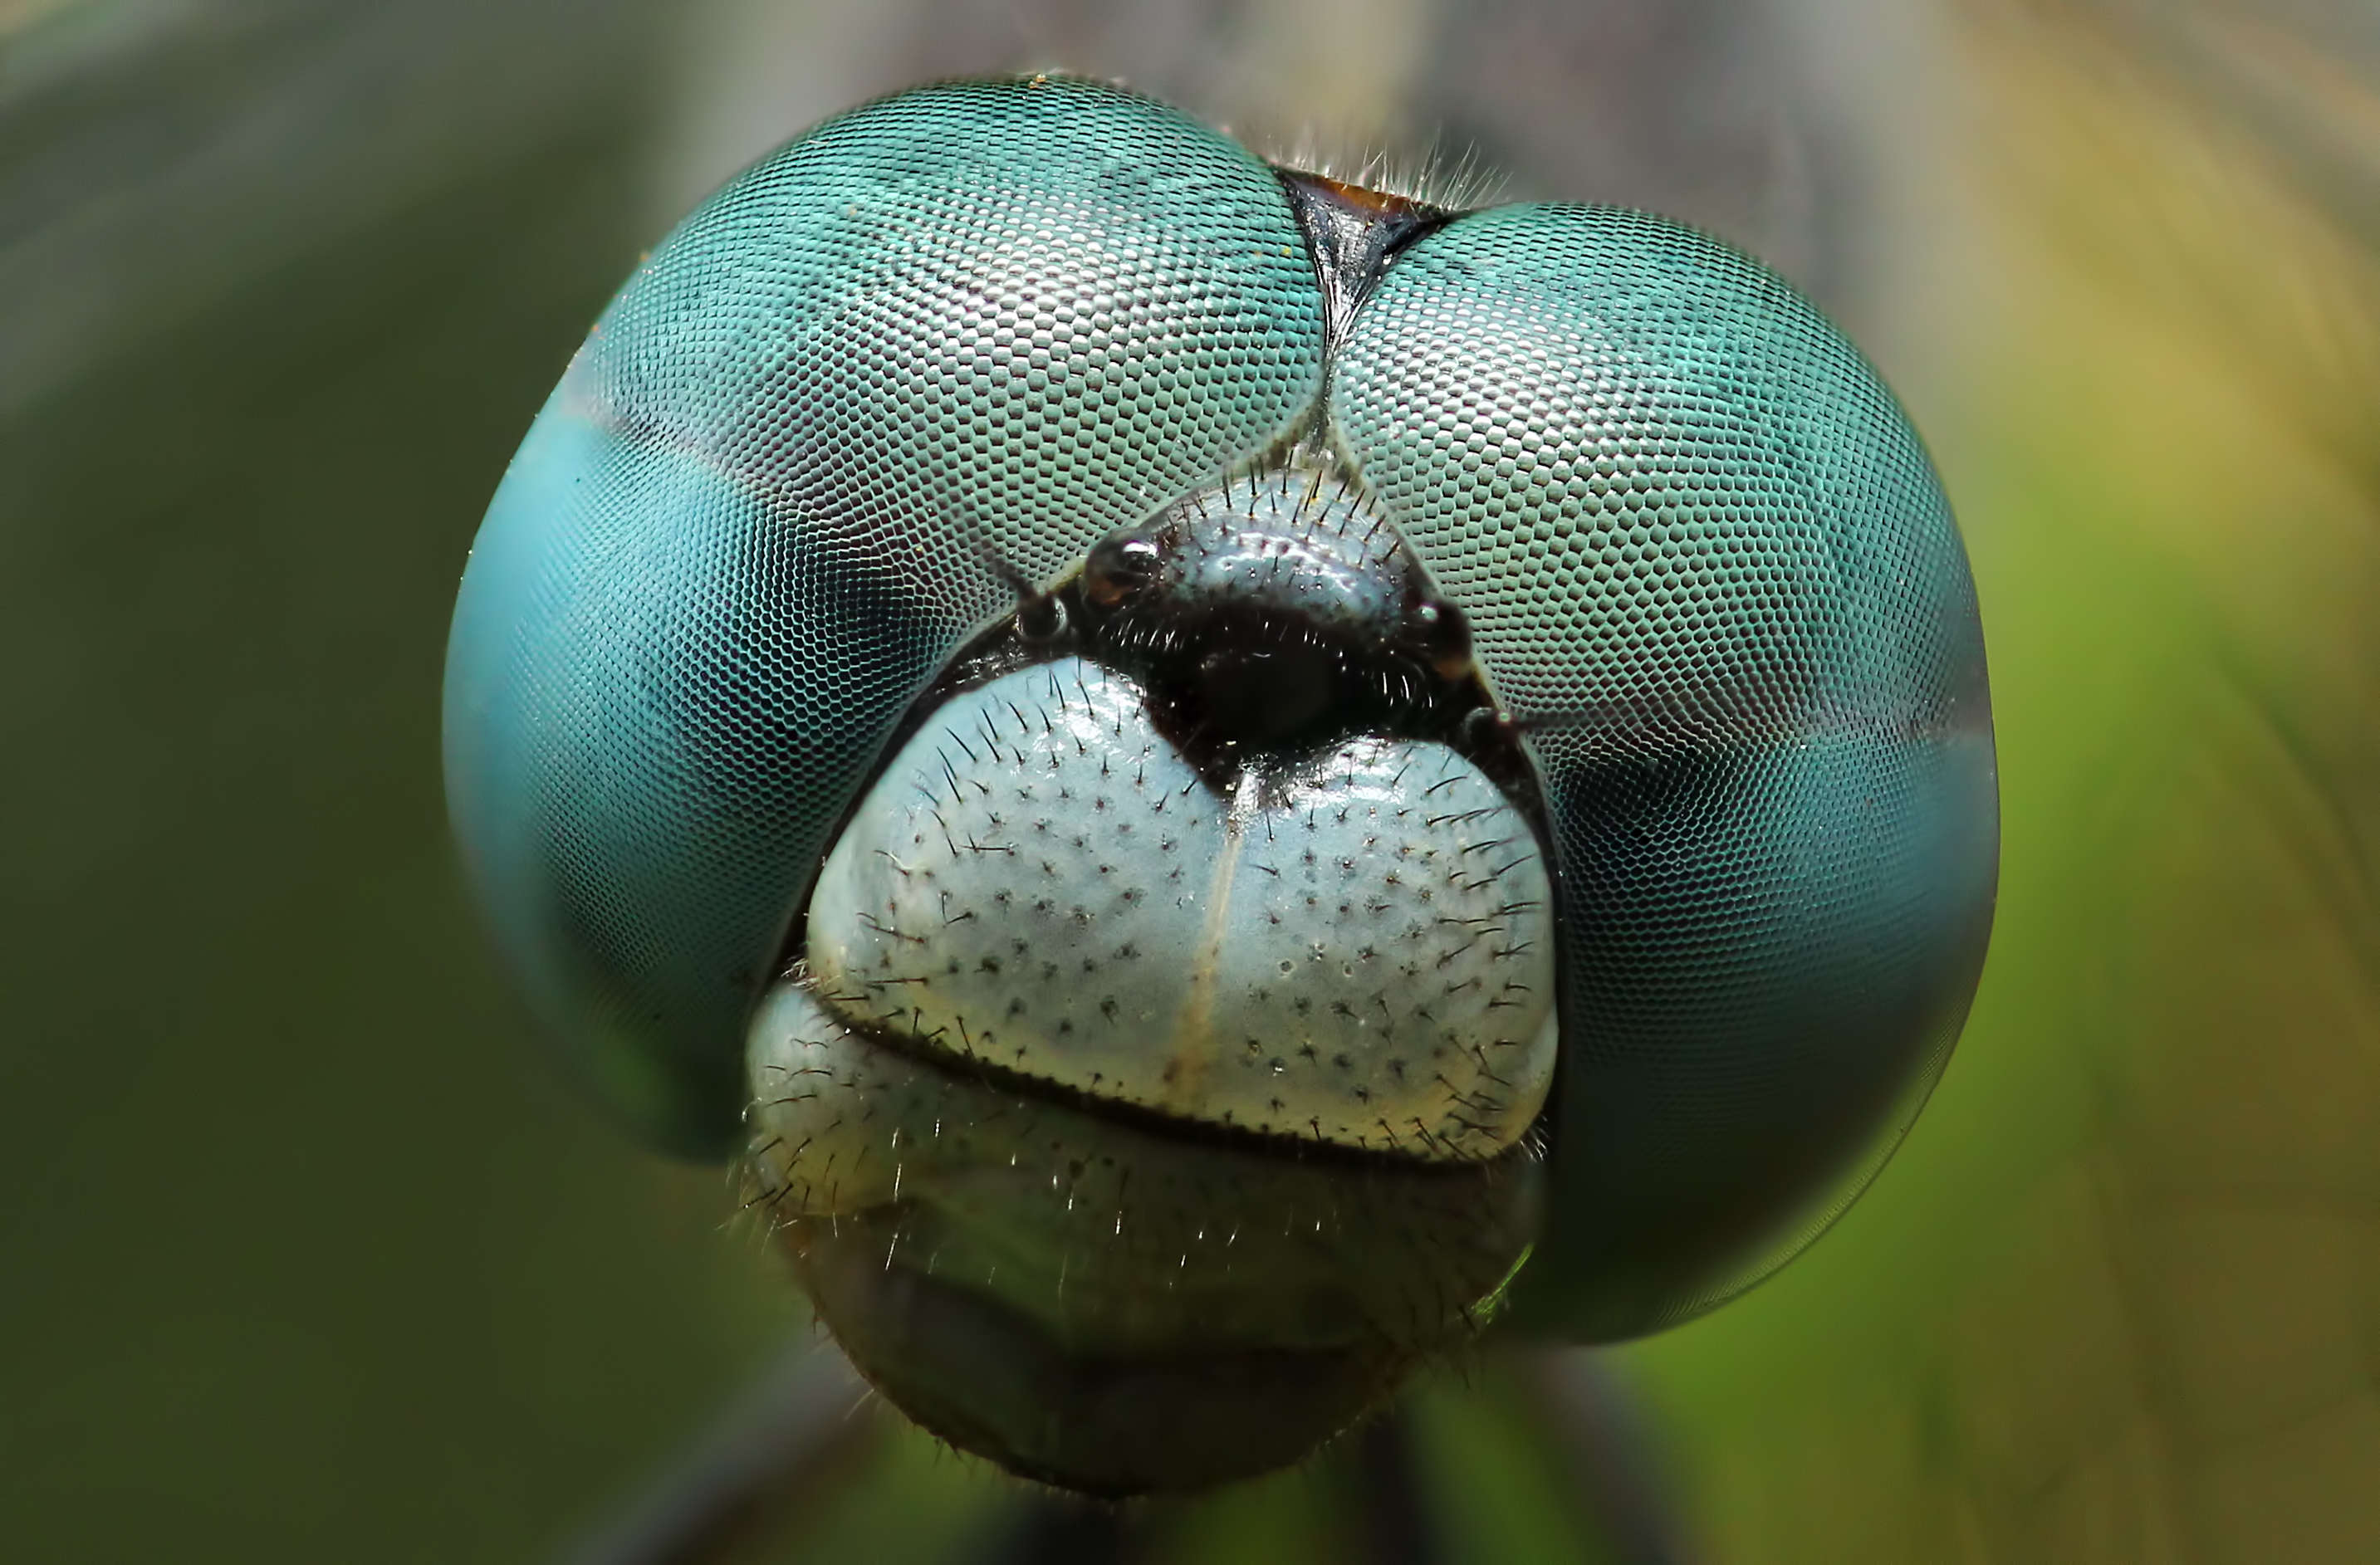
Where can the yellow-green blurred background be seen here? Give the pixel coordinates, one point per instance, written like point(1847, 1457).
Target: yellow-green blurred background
point(304, 1257)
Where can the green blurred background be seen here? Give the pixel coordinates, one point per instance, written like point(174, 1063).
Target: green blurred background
point(303, 1253)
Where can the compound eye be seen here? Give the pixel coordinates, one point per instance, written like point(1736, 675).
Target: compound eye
point(737, 521)
point(1119, 568)
point(1712, 577)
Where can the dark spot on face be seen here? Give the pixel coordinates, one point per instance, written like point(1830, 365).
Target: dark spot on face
point(1267, 695)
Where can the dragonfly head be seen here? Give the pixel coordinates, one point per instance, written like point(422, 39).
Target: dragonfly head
point(1172, 1011)
point(1195, 764)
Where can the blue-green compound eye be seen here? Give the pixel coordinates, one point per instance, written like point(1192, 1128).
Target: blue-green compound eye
point(1701, 546)
point(1155, 1074)
point(753, 520)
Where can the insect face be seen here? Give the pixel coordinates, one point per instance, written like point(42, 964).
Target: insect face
point(1221, 780)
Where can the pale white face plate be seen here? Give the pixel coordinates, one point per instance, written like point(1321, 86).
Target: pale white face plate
point(1359, 953)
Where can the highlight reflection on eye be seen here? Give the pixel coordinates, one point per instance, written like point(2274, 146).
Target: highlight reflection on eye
point(1223, 782)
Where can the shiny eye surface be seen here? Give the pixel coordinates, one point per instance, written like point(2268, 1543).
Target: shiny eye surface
point(1224, 782)
point(1702, 550)
point(748, 529)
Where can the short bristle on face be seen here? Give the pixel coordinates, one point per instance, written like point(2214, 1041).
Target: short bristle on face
point(1435, 178)
point(1267, 746)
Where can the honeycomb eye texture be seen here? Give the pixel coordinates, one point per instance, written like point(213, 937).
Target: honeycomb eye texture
point(862, 404)
point(748, 527)
point(1708, 568)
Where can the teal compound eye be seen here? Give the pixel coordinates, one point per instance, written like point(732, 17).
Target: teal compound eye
point(1221, 780)
point(1703, 550)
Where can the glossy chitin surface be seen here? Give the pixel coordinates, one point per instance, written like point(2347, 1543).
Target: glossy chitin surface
point(946, 343)
point(1290, 544)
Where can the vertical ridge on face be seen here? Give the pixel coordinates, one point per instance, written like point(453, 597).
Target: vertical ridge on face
point(1358, 951)
point(1707, 561)
point(984, 321)
point(910, 372)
